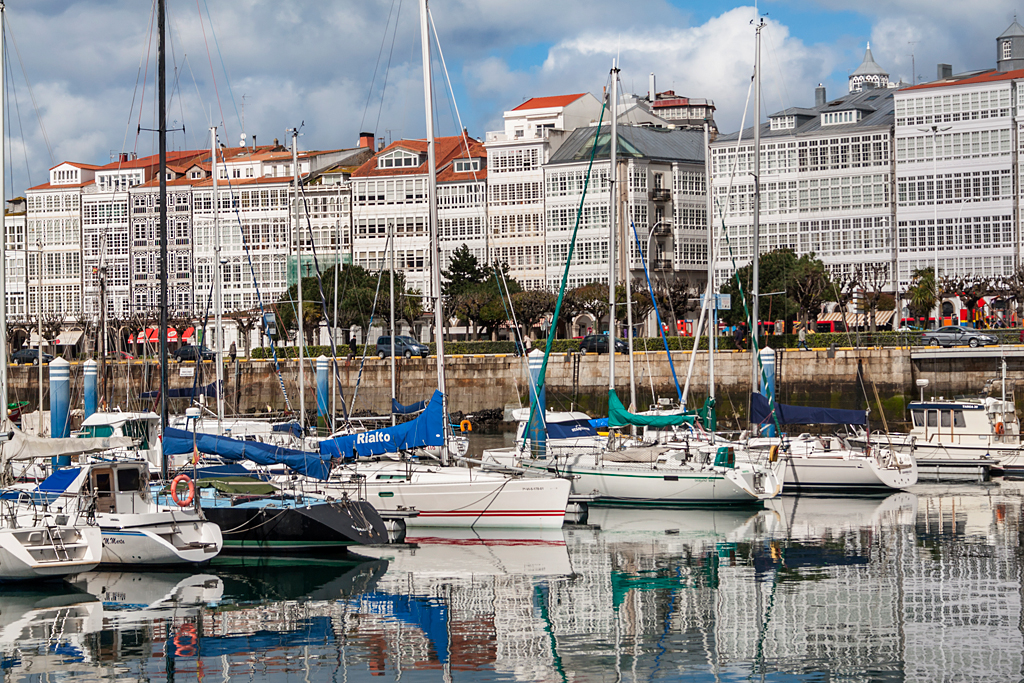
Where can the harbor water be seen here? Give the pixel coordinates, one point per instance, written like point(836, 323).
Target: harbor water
point(924, 585)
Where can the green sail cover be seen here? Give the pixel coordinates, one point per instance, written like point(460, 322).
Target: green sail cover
point(618, 416)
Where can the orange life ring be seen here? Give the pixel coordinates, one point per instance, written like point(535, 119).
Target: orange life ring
point(466, 426)
point(186, 641)
point(191, 490)
point(1000, 428)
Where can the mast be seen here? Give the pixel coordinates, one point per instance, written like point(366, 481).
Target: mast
point(298, 287)
point(435, 244)
point(612, 215)
point(162, 136)
point(391, 273)
point(754, 312)
point(3, 247)
point(713, 326)
point(218, 285)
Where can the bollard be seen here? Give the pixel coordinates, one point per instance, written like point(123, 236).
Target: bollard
point(322, 393)
point(537, 430)
point(60, 406)
point(767, 380)
point(91, 387)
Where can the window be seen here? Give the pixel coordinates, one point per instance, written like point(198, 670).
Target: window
point(945, 414)
point(958, 419)
point(399, 158)
point(467, 165)
point(1007, 49)
point(932, 419)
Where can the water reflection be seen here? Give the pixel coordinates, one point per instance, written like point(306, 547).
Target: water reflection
point(914, 586)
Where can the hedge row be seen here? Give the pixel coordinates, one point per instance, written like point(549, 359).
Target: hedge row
point(725, 343)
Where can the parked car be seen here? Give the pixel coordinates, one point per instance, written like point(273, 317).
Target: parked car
point(192, 352)
point(957, 336)
point(123, 355)
point(598, 343)
point(404, 346)
point(29, 357)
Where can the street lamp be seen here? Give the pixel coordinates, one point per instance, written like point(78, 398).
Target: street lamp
point(935, 130)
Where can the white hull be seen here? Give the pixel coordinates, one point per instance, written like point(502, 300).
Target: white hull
point(948, 460)
point(160, 538)
point(31, 553)
point(838, 473)
point(461, 497)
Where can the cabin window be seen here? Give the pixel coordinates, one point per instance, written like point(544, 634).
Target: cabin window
point(933, 421)
point(958, 419)
point(128, 480)
point(945, 418)
point(918, 418)
point(98, 431)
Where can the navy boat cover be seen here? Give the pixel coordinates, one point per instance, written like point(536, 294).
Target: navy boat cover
point(760, 413)
point(426, 430)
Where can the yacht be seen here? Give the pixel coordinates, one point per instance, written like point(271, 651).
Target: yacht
point(37, 542)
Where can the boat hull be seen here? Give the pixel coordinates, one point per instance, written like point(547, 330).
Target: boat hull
point(464, 498)
point(317, 526)
point(845, 475)
point(28, 554)
point(162, 539)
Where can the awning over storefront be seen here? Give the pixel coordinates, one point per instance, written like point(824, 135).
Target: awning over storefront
point(857, 319)
point(68, 338)
point(153, 337)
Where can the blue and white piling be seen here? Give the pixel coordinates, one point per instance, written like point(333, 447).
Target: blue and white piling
point(60, 405)
point(322, 393)
point(91, 388)
point(538, 405)
point(767, 380)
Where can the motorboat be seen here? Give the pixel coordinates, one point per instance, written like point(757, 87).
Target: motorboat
point(138, 527)
point(37, 542)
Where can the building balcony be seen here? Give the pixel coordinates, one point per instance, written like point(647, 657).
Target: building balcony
point(662, 264)
point(660, 194)
point(662, 229)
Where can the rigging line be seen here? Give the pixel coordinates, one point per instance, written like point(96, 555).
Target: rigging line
point(28, 85)
point(778, 67)
point(145, 79)
point(454, 105)
point(387, 71)
point(209, 59)
point(256, 284)
point(515, 325)
point(568, 261)
point(376, 66)
point(661, 329)
point(220, 54)
point(323, 297)
point(10, 140)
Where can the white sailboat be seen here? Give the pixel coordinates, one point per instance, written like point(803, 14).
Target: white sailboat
point(34, 542)
point(447, 495)
point(648, 475)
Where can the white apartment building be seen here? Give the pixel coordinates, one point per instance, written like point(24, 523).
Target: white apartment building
point(389, 196)
point(15, 268)
point(826, 185)
point(661, 185)
point(958, 146)
point(515, 193)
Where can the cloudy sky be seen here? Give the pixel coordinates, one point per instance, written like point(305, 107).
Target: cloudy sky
point(81, 78)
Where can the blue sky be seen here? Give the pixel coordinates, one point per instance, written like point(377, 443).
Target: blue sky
point(313, 62)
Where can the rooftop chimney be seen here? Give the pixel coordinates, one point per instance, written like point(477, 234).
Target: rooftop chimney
point(819, 96)
point(945, 72)
point(652, 93)
point(366, 140)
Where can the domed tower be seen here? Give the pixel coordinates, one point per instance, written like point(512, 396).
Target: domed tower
point(868, 72)
point(1010, 48)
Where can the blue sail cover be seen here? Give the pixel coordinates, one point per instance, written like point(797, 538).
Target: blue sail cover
point(184, 392)
point(292, 428)
point(426, 430)
point(760, 413)
point(398, 409)
point(179, 442)
point(572, 429)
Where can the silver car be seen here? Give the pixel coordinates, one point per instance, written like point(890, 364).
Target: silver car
point(953, 335)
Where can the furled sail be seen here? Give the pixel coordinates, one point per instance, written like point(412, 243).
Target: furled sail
point(180, 442)
point(618, 416)
point(426, 430)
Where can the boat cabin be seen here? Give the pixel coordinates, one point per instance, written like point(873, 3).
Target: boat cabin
point(967, 422)
point(118, 487)
point(142, 428)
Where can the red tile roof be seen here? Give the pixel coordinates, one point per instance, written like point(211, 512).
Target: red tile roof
point(548, 102)
point(448, 150)
point(987, 77)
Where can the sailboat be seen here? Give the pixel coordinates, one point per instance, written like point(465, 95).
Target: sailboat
point(35, 542)
point(649, 474)
point(445, 495)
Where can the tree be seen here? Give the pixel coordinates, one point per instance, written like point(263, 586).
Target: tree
point(775, 270)
point(640, 299)
point(809, 287)
point(532, 306)
point(463, 273)
point(968, 289)
point(678, 298)
point(873, 277)
point(591, 299)
point(245, 321)
point(1012, 286)
point(921, 293)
